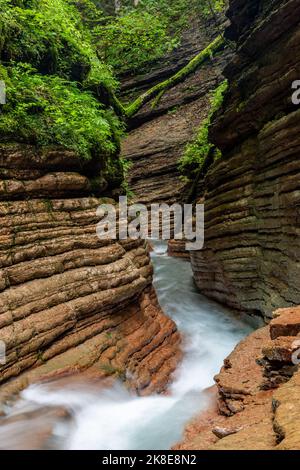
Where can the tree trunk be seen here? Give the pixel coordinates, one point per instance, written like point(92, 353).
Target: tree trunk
point(118, 6)
point(158, 90)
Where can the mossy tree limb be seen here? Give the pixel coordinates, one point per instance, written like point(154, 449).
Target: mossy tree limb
point(159, 89)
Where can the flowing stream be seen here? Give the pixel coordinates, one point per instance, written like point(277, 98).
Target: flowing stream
point(112, 418)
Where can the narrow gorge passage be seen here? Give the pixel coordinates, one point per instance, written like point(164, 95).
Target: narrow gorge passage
point(122, 120)
point(78, 415)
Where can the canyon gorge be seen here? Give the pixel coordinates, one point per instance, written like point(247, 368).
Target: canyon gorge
point(99, 330)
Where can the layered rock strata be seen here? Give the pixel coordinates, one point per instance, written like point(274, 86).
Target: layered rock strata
point(69, 301)
point(159, 135)
point(251, 256)
point(244, 414)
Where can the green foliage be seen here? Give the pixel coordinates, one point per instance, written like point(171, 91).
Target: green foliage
point(126, 164)
point(197, 151)
point(215, 5)
point(157, 91)
point(54, 51)
point(49, 110)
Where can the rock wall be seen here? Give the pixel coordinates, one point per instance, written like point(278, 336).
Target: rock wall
point(159, 135)
point(251, 256)
point(68, 301)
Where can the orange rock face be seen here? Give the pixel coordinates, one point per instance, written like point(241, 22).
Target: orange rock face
point(250, 259)
point(68, 301)
point(245, 414)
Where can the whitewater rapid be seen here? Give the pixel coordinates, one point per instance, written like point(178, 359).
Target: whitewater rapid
point(114, 419)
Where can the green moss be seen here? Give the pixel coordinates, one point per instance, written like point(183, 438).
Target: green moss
point(197, 152)
point(173, 110)
point(190, 68)
point(49, 205)
point(241, 106)
point(39, 356)
point(125, 187)
point(140, 35)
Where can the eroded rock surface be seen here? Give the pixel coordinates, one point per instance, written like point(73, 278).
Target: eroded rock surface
point(69, 301)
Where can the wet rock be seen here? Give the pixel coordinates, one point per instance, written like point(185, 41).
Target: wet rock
point(241, 381)
point(14, 430)
point(256, 404)
point(177, 248)
point(70, 302)
point(241, 416)
point(281, 349)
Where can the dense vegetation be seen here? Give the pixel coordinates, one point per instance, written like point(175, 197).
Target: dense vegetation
point(59, 60)
point(140, 35)
point(197, 152)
